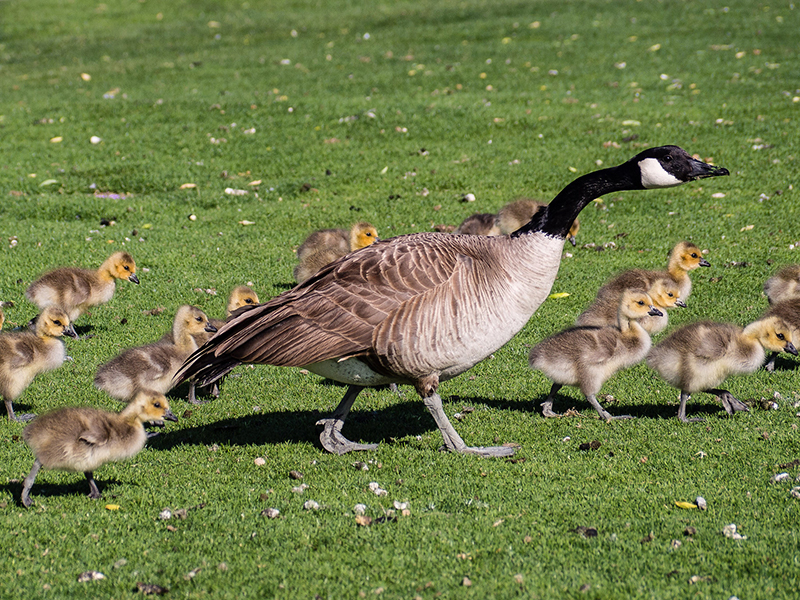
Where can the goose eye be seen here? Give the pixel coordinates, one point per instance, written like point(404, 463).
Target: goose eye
point(157, 404)
point(126, 267)
point(671, 295)
point(694, 254)
point(248, 301)
point(781, 336)
point(56, 322)
point(199, 319)
point(640, 303)
point(668, 158)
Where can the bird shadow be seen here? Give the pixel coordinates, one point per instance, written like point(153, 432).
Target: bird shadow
point(51, 490)
point(407, 418)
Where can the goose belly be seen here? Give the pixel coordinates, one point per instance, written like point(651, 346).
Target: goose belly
point(351, 371)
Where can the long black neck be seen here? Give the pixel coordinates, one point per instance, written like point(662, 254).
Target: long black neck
point(556, 218)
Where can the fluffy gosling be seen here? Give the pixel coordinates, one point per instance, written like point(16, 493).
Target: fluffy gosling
point(699, 356)
point(152, 367)
point(324, 246)
point(27, 352)
point(83, 439)
point(479, 224)
point(784, 285)
point(76, 290)
point(586, 357)
point(663, 291)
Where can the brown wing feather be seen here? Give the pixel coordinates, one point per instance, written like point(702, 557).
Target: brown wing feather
point(336, 312)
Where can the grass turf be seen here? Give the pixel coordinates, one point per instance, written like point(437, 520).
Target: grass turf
point(392, 112)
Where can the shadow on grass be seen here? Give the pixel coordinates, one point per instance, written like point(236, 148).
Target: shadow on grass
point(406, 418)
point(42, 490)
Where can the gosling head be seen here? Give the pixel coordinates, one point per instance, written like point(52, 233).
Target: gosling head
point(241, 296)
point(192, 320)
point(775, 335)
point(152, 407)
point(636, 304)
point(54, 322)
point(687, 256)
point(123, 267)
point(362, 235)
point(668, 166)
point(665, 293)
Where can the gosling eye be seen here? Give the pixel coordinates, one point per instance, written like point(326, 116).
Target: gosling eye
point(126, 267)
point(56, 322)
point(671, 295)
point(781, 336)
point(694, 254)
point(157, 404)
point(640, 303)
point(248, 301)
point(199, 319)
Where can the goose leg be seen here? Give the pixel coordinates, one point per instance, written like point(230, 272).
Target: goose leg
point(604, 414)
point(730, 403)
point(331, 436)
point(94, 493)
point(682, 409)
point(547, 405)
point(192, 398)
point(28, 483)
point(18, 418)
point(452, 440)
point(770, 364)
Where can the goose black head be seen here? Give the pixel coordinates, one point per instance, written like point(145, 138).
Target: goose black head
point(668, 166)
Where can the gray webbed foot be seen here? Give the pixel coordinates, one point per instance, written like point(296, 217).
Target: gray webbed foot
point(334, 442)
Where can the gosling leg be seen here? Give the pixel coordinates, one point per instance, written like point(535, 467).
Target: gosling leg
point(730, 403)
point(452, 440)
point(604, 414)
point(682, 409)
point(94, 493)
point(331, 436)
point(770, 364)
point(547, 405)
point(18, 418)
point(28, 483)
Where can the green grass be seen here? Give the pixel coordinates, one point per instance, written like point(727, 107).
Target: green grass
point(718, 79)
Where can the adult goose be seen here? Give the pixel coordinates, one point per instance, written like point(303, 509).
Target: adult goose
point(422, 308)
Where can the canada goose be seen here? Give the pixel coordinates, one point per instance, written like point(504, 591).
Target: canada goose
point(240, 296)
point(324, 246)
point(479, 224)
point(425, 307)
point(83, 439)
point(587, 357)
point(516, 214)
point(152, 367)
point(75, 290)
point(784, 284)
point(27, 352)
point(787, 309)
point(699, 356)
point(663, 291)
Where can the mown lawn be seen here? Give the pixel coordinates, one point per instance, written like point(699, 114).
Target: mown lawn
point(328, 113)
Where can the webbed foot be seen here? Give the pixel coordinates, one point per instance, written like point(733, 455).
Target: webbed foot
point(334, 442)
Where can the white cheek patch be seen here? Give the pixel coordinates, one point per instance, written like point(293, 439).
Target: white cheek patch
point(654, 175)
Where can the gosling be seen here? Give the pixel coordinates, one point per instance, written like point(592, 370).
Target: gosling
point(516, 214)
point(663, 291)
point(784, 285)
point(240, 296)
point(700, 356)
point(76, 290)
point(152, 367)
point(787, 309)
point(83, 439)
point(586, 357)
point(479, 224)
point(27, 352)
point(324, 246)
